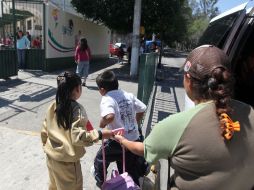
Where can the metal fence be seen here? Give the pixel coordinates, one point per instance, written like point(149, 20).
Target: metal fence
point(147, 73)
point(28, 17)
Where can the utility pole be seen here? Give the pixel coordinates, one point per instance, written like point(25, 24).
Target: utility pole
point(135, 39)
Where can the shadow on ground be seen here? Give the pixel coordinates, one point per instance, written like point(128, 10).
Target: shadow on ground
point(165, 101)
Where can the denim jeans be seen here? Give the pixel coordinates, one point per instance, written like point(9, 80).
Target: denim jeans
point(21, 58)
point(83, 69)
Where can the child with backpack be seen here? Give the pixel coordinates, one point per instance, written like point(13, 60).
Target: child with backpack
point(119, 109)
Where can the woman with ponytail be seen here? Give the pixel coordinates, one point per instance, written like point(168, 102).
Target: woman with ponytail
point(82, 58)
point(66, 131)
point(210, 146)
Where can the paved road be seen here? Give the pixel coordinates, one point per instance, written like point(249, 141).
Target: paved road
point(23, 101)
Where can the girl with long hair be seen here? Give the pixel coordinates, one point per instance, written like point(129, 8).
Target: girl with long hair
point(65, 133)
point(82, 58)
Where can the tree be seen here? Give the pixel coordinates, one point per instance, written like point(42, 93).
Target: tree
point(166, 18)
point(115, 14)
point(208, 8)
point(202, 12)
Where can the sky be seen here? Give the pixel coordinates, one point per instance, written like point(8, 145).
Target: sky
point(225, 5)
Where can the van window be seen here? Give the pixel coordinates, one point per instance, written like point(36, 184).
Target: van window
point(244, 71)
point(218, 31)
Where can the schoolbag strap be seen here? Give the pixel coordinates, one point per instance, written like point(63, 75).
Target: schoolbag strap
point(104, 160)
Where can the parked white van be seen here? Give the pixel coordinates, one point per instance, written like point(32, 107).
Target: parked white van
point(233, 32)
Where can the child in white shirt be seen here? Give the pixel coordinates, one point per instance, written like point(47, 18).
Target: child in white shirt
point(119, 109)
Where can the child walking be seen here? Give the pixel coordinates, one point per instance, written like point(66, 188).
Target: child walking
point(119, 109)
point(65, 134)
point(82, 58)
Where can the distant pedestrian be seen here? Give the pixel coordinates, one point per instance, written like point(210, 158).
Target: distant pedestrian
point(65, 134)
point(142, 48)
point(120, 55)
point(29, 37)
point(129, 49)
point(154, 47)
point(36, 43)
point(82, 58)
point(22, 44)
point(119, 109)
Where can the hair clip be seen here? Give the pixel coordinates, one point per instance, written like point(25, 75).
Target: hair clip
point(228, 126)
point(61, 78)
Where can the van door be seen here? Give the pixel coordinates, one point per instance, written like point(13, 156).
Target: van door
point(242, 61)
point(233, 32)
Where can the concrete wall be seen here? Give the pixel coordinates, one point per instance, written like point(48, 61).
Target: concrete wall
point(62, 28)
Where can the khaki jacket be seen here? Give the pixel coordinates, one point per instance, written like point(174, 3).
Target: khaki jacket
point(67, 145)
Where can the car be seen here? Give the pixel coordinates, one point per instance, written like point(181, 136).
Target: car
point(114, 49)
point(122, 45)
point(233, 32)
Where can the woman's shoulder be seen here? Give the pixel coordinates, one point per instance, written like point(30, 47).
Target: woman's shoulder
point(185, 116)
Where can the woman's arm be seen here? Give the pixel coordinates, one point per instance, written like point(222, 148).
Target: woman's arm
point(76, 54)
point(135, 147)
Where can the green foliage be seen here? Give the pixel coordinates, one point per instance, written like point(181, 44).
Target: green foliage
point(208, 8)
point(168, 19)
point(171, 20)
point(165, 18)
point(197, 27)
point(115, 14)
point(202, 12)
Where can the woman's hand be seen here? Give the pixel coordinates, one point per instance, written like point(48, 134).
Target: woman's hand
point(135, 147)
point(119, 138)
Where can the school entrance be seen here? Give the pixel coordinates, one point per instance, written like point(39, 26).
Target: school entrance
point(28, 17)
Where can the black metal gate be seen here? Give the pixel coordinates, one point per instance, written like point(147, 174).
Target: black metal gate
point(28, 17)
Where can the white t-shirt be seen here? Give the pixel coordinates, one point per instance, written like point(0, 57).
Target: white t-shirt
point(124, 106)
point(188, 103)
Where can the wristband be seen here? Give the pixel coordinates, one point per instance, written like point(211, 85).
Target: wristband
point(100, 135)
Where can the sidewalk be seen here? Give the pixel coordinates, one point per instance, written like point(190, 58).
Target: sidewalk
point(23, 102)
point(168, 100)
